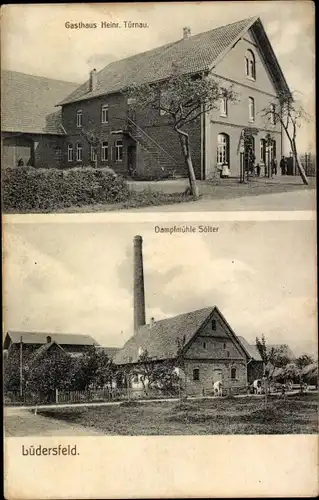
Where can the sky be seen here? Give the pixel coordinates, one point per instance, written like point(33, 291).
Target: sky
point(78, 278)
point(36, 41)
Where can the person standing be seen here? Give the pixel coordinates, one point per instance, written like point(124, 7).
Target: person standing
point(283, 165)
point(274, 166)
point(258, 170)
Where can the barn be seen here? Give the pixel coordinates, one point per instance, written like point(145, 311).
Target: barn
point(31, 125)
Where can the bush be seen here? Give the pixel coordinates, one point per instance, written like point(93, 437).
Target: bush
point(29, 188)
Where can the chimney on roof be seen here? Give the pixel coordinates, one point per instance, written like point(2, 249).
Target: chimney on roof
point(49, 339)
point(186, 32)
point(139, 293)
point(93, 79)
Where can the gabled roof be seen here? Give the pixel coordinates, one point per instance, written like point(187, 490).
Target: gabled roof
point(43, 349)
point(251, 349)
point(162, 339)
point(196, 54)
point(41, 338)
point(28, 103)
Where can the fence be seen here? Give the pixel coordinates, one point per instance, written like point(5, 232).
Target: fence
point(85, 396)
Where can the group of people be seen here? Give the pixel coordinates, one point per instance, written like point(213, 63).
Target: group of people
point(273, 167)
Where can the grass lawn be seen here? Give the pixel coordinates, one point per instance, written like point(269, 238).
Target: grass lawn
point(296, 414)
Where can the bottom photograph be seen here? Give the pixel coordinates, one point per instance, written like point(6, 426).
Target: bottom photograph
point(151, 329)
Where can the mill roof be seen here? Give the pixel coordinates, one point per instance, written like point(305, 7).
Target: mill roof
point(163, 339)
point(41, 338)
point(28, 103)
point(196, 54)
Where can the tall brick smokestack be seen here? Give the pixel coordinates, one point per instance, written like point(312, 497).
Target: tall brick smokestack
point(139, 293)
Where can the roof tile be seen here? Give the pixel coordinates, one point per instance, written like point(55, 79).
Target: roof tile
point(192, 55)
point(28, 103)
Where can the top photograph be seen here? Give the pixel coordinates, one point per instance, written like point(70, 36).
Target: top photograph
point(195, 107)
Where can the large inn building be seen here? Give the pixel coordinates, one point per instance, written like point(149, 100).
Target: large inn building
point(238, 54)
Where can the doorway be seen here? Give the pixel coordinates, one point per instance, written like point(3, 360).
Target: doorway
point(217, 375)
point(131, 160)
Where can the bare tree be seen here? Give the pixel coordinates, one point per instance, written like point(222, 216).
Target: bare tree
point(94, 138)
point(290, 115)
point(184, 98)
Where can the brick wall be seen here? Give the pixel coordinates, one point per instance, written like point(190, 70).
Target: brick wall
point(157, 127)
point(211, 371)
point(160, 129)
point(92, 122)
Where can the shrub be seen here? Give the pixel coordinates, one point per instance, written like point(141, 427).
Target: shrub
point(29, 188)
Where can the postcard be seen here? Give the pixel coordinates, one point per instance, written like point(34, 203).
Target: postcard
point(159, 250)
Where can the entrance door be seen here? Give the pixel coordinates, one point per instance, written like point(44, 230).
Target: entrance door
point(131, 160)
point(217, 375)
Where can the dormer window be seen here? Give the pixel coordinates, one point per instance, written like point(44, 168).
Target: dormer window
point(223, 107)
point(79, 118)
point(250, 65)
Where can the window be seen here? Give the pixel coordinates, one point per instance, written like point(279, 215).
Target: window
point(250, 65)
point(105, 151)
point(225, 345)
point(119, 151)
point(70, 152)
point(223, 107)
point(222, 149)
point(79, 152)
point(93, 153)
point(204, 345)
point(196, 374)
point(213, 324)
point(251, 108)
point(273, 114)
point(105, 113)
point(79, 118)
point(233, 373)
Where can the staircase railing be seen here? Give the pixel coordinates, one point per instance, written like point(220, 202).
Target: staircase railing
point(150, 139)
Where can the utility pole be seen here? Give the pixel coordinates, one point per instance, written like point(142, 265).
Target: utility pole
point(21, 370)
